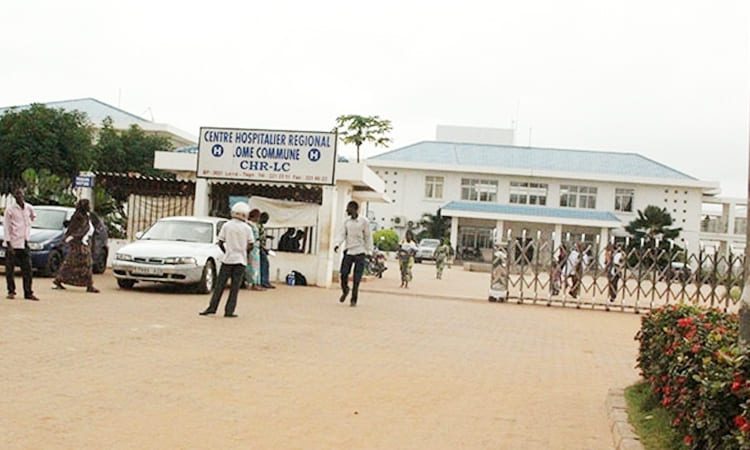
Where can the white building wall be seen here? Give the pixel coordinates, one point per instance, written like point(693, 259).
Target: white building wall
point(407, 188)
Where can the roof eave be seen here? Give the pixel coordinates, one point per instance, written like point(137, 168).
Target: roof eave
point(709, 186)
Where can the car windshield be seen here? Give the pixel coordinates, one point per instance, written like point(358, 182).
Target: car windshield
point(431, 243)
point(179, 230)
point(49, 219)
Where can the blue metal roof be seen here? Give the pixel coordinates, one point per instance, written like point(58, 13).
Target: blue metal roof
point(187, 149)
point(451, 154)
point(536, 211)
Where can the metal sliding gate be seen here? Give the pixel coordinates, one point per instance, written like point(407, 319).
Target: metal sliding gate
point(538, 271)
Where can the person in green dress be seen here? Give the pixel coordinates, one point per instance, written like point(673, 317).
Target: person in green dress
point(441, 258)
point(406, 251)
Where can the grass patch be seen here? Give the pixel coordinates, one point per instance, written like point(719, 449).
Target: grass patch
point(652, 423)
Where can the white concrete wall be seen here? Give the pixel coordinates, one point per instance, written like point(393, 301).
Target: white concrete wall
point(407, 188)
point(283, 263)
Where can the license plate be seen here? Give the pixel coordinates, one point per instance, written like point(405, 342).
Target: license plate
point(148, 271)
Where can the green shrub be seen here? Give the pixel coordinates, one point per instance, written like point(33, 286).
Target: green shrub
point(386, 240)
point(691, 358)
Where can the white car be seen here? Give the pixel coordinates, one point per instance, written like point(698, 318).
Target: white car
point(178, 250)
point(426, 250)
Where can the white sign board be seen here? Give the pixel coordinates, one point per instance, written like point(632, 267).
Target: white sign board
point(304, 157)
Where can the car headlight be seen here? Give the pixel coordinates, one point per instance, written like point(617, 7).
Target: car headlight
point(181, 260)
point(123, 257)
point(36, 245)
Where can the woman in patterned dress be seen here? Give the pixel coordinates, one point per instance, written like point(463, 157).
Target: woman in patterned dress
point(76, 268)
point(406, 252)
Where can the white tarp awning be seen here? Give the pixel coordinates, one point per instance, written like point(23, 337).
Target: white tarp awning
point(285, 214)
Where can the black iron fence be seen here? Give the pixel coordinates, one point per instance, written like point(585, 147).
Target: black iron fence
point(617, 276)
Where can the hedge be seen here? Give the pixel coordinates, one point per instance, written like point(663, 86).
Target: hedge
point(691, 358)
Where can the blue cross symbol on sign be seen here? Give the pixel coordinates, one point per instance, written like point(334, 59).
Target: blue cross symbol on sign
point(313, 154)
point(217, 150)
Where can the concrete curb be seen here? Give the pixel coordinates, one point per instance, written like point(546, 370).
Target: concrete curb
point(623, 435)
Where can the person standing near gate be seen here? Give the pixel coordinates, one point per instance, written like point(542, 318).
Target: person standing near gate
point(17, 223)
point(252, 272)
point(615, 271)
point(573, 269)
point(235, 240)
point(356, 238)
point(265, 280)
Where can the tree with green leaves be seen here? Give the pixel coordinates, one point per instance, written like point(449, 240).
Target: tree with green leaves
point(434, 226)
point(131, 150)
point(386, 240)
point(357, 130)
point(653, 227)
point(39, 138)
point(653, 224)
point(46, 188)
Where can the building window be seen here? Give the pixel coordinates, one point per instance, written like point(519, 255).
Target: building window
point(525, 193)
point(624, 200)
point(578, 197)
point(478, 190)
point(433, 187)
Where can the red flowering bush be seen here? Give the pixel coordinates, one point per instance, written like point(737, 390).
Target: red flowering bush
point(691, 358)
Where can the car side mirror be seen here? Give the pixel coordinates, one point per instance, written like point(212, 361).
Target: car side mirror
point(66, 223)
point(139, 235)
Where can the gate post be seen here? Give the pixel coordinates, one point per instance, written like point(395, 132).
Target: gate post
point(201, 200)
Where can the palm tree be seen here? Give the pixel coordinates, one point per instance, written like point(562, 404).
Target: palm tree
point(653, 227)
point(361, 129)
point(434, 226)
point(653, 224)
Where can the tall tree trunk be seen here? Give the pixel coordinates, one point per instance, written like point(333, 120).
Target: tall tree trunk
point(745, 300)
point(357, 153)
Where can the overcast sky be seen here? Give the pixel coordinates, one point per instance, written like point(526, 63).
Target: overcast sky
point(667, 79)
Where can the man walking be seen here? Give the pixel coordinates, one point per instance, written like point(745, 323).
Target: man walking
point(235, 240)
point(357, 240)
point(264, 266)
point(614, 272)
point(17, 224)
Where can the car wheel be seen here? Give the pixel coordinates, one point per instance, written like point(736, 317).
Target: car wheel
point(100, 265)
point(418, 261)
point(209, 278)
point(124, 283)
point(54, 261)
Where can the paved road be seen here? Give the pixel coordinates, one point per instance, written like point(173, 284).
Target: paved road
point(298, 370)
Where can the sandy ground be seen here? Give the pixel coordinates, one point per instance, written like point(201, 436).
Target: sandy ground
point(140, 369)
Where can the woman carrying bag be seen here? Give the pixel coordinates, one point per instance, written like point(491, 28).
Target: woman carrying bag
point(76, 268)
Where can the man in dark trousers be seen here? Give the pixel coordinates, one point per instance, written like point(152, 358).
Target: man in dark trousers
point(235, 240)
point(17, 223)
point(356, 238)
point(265, 275)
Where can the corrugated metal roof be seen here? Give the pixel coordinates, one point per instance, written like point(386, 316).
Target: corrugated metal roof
point(536, 211)
point(452, 154)
point(96, 111)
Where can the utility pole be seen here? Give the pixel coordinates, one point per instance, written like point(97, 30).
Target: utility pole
point(745, 299)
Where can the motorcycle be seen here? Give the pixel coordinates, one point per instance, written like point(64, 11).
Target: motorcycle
point(376, 263)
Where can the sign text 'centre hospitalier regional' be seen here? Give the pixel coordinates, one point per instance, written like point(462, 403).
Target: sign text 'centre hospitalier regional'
point(291, 156)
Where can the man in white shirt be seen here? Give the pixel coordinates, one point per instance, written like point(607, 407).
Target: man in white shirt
point(17, 224)
point(615, 272)
point(356, 238)
point(235, 240)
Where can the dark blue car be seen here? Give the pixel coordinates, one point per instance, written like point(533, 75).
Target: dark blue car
point(46, 243)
